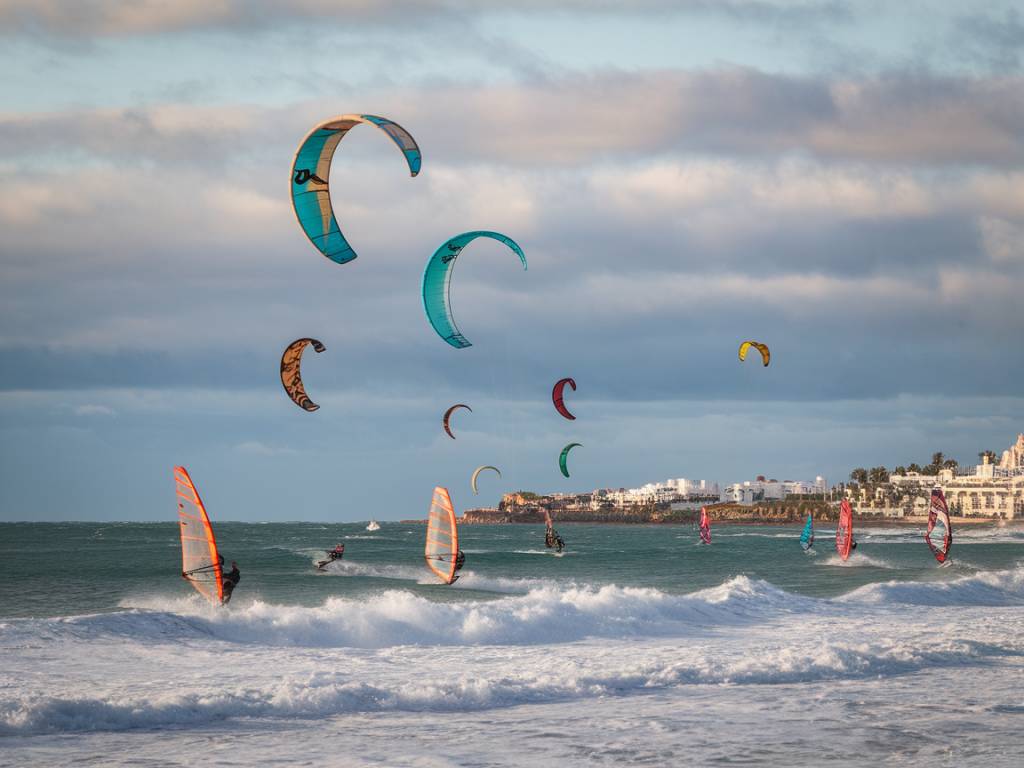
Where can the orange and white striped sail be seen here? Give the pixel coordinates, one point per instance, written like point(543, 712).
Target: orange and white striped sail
point(442, 536)
point(200, 562)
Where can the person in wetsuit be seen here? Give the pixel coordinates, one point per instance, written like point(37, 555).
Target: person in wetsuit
point(460, 560)
point(229, 581)
point(332, 554)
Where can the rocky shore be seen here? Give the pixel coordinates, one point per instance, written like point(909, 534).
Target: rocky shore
point(772, 513)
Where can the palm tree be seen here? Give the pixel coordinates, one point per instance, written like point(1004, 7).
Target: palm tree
point(879, 475)
point(990, 454)
point(859, 475)
point(914, 468)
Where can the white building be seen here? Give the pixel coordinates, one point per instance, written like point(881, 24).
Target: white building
point(753, 491)
point(984, 490)
point(667, 492)
point(988, 490)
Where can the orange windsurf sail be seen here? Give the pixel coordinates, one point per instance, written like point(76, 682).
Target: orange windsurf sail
point(200, 562)
point(442, 537)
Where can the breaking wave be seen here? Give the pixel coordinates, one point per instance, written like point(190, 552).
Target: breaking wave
point(399, 651)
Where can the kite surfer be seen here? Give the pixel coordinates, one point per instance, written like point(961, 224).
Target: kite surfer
point(332, 554)
point(229, 582)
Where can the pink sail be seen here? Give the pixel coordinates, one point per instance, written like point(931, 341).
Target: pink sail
point(938, 515)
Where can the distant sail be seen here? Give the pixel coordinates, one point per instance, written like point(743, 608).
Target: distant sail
point(807, 537)
point(844, 531)
point(442, 537)
point(200, 561)
point(938, 514)
point(551, 538)
point(705, 526)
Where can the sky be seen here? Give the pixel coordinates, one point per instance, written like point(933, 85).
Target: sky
point(843, 181)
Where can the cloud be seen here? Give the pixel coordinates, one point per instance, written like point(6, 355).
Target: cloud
point(574, 120)
point(115, 18)
point(995, 41)
point(92, 409)
point(256, 448)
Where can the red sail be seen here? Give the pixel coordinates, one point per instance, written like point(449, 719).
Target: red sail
point(705, 526)
point(844, 531)
point(938, 514)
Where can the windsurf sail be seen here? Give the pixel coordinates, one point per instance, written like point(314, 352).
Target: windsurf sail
point(807, 537)
point(705, 526)
point(551, 538)
point(200, 561)
point(844, 531)
point(442, 537)
point(938, 516)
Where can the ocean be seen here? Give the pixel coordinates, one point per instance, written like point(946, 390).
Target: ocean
point(636, 646)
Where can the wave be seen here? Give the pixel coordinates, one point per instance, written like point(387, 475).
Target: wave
point(401, 651)
point(468, 578)
point(296, 694)
point(986, 588)
point(532, 613)
point(544, 615)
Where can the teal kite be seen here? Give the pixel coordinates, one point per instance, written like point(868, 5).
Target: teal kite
point(311, 169)
point(437, 276)
point(565, 455)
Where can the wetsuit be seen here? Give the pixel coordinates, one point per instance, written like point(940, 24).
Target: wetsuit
point(229, 582)
point(460, 560)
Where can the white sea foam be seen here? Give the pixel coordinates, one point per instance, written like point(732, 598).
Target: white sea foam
point(989, 588)
point(858, 560)
point(402, 652)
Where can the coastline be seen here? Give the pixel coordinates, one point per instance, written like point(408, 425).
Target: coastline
point(859, 520)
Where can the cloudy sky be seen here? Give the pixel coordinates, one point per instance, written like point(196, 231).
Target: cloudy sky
point(844, 181)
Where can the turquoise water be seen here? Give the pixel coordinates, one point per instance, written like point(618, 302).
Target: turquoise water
point(64, 569)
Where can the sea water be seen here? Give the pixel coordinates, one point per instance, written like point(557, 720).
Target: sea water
point(636, 646)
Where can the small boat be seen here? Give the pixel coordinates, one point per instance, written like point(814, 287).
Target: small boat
point(373, 526)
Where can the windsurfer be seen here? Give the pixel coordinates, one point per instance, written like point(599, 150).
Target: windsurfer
point(229, 582)
point(460, 560)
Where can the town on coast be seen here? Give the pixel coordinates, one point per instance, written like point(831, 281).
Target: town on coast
point(987, 492)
